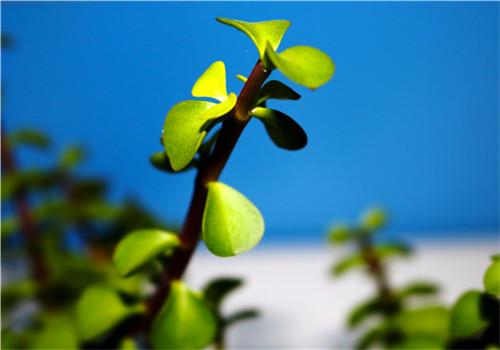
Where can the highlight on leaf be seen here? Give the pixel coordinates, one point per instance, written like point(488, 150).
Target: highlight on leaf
point(303, 65)
point(140, 247)
point(261, 33)
point(212, 83)
point(283, 130)
point(231, 224)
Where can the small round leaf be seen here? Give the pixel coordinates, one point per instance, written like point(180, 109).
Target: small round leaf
point(491, 278)
point(185, 321)
point(140, 247)
point(374, 219)
point(303, 65)
point(231, 223)
point(283, 130)
point(465, 318)
point(212, 83)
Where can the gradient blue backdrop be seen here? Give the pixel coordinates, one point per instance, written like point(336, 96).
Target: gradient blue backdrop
point(410, 120)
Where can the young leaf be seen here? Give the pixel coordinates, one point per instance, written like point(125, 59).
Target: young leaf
point(491, 279)
point(418, 289)
point(98, 310)
point(339, 234)
point(363, 311)
point(71, 157)
point(29, 137)
point(347, 264)
point(140, 247)
point(185, 321)
point(374, 219)
point(185, 128)
point(241, 78)
point(242, 315)
point(231, 223)
point(465, 317)
point(282, 129)
point(212, 83)
point(261, 33)
point(392, 249)
point(373, 336)
point(219, 288)
point(160, 161)
point(303, 65)
point(276, 90)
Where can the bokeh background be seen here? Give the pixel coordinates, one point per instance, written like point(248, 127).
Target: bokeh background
point(410, 121)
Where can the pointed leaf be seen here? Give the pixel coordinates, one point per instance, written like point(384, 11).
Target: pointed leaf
point(276, 90)
point(261, 33)
point(363, 311)
point(212, 83)
point(465, 317)
point(242, 315)
point(29, 137)
point(303, 65)
point(231, 223)
point(241, 78)
point(185, 321)
point(186, 127)
point(160, 161)
point(418, 289)
point(282, 129)
point(373, 336)
point(140, 247)
point(491, 278)
point(216, 290)
point(347, 264)
point(100, 309)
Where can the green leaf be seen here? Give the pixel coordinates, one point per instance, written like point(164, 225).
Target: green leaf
point(276, 90)
point(242, 315)
point(374, 219)
point(393, 249)
point(429, 320)
point(491, 279)
point(29, 137)
point(184, 322)
point(262, 33)
point(282, 129)
point(9, 226)
point(418, 289)
point(212, 83)
point(363, 311)
point(100, 309)
point(303, 65)
point(231, 223)
point(339, 234)
point(465, 317)
point(216, 290)
point(419, 342)
point(71, 157)
point(128, 344)
point(58, 332)
point(186, 126)
point(241, 78)
point(160, 161)
point(373, 336)
point(140, 247)
point(348, 263)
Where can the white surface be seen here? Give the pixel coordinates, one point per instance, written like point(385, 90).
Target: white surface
point(303, 307)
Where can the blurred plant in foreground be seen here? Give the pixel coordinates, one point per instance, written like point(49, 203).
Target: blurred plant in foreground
point(394, 317)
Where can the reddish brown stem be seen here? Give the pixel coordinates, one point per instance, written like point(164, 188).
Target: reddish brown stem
point(208, 171)
point(29, 229)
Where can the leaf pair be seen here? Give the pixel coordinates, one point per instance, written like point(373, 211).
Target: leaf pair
point(188, 122)
point(303, 65)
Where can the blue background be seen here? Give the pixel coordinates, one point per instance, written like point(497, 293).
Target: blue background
point(409, 121)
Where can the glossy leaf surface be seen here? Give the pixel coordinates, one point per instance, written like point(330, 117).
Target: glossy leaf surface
point(140, 247)
point(303, 65)
point(261, 33)
point(185, 321)
point(212, 83)
point(283, 130)
point(491, 278)
point(465, 317)
point(98, 310)
point(231, 223)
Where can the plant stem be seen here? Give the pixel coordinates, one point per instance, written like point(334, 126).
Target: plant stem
point(29, 230)
point(375, 266)
point(208, 171)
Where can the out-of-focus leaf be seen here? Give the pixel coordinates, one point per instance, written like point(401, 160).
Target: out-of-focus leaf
point(347, 264)
point(184, 322)
point(262, 33)
point(29, 137)
point(418, 289)
point(431, 321)
point(9, 185)
point(231, 223)
point(88, 188)
point(128, 344)
point(340, 234)
point(303, 65)
point(71, 157)
point(100, 210)
point(374, 219)
point(53, 209)
point(276, 90)
point(465, 317)
point(186, 126)
point(212, 83)
point(9, 226)
point(241, 78)
point(216, 290)
point(58, 332)
point(392, 249)
point(363, 311)
point(160, 161)
point(283, 130)
point(140, 247)
point(16, 292)
point(100, 309)
point(491, 279)
point(242, 315)
point(371, 337)
point(419, 342)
